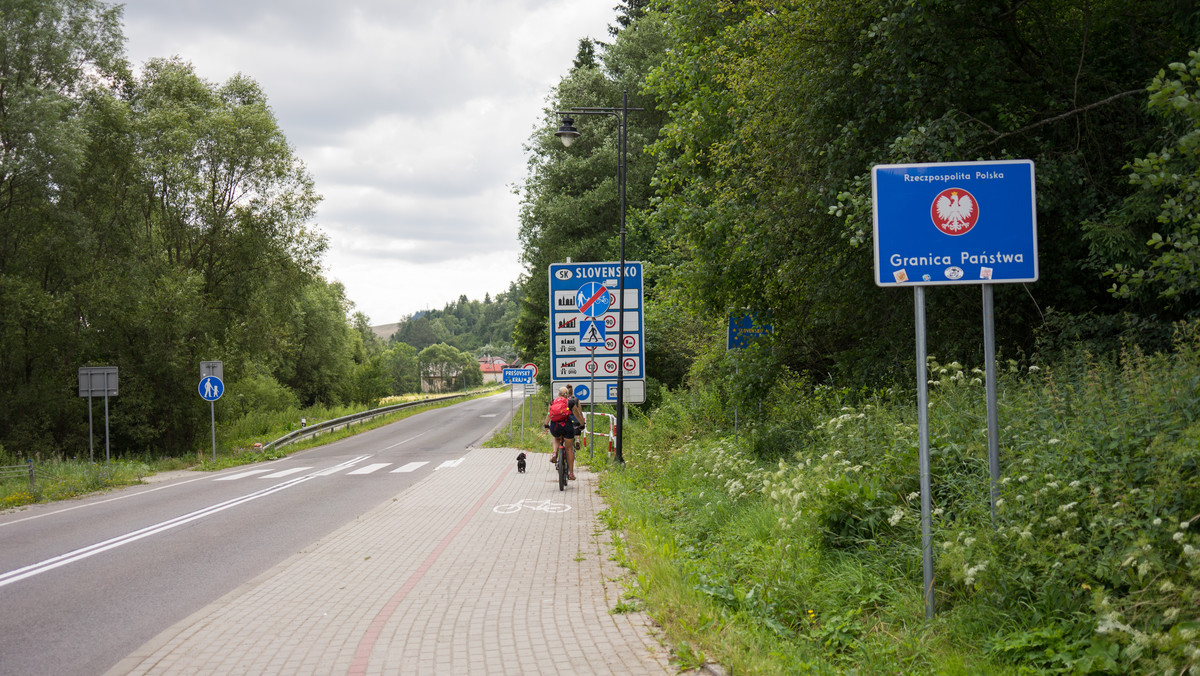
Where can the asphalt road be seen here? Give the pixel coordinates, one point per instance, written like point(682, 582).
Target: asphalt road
point(85, 582)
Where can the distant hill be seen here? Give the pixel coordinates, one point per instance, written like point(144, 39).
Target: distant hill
point(385, 331)
point(467, 325)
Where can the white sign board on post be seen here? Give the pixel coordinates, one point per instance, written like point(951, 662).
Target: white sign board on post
point(585, 342)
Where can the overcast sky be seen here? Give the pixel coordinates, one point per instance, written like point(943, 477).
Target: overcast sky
point(410, 114)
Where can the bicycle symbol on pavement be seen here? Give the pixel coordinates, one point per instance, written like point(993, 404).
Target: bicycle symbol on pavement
point(535, 505)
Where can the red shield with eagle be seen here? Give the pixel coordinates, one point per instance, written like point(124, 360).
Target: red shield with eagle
point(954, 211)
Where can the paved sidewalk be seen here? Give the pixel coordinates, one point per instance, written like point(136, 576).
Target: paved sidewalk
point(457, 575)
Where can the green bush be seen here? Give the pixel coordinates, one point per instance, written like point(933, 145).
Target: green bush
point(808, 531)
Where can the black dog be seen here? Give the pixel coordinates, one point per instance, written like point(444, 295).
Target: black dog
point(521, 463)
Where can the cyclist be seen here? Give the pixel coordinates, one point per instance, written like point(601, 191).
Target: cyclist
point(562, 428)
point(576, 420)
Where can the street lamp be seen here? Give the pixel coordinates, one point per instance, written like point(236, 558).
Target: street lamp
point(567, 133)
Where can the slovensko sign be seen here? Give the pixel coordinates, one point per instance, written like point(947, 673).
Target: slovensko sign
point(583, 293)
point(955, 223)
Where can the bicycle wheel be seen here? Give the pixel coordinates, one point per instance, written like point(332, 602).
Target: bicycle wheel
point(562, 469)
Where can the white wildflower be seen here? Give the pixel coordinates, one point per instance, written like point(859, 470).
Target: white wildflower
point(897, 515)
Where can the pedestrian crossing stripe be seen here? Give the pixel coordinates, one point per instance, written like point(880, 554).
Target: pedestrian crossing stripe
point(366, 469)
point(241, 475)
point(283, 473)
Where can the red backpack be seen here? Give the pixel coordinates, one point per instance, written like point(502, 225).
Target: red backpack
point(560, 409)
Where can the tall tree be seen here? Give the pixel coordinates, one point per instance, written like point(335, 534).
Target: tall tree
point(778, 109)
point(56, 56)
point(570, 205)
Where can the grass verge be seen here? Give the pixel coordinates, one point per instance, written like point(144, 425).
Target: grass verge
point(64, 479)
point(797, 548)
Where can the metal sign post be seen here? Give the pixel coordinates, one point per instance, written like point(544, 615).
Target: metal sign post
point(515, 376)
point(211, 388)
point(923, 451)
point(98, 380)
point(592, 406)
point(744, 330)
point(954, 223)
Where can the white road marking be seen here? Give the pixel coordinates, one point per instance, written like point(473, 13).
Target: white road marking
point(112, 543)
point(403, 442)
point(337, 468)
point(283, 473)
point(410, 467)
point(370, 468)
point(449, 463)
point(242, 475)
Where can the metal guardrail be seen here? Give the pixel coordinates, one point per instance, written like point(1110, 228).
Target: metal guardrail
point(29, 469)
point(347, 420)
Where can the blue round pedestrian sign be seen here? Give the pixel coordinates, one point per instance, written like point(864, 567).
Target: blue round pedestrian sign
point(593, 299)
point(211, 388)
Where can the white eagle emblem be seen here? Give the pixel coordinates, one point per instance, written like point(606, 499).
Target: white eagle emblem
point(954, 211)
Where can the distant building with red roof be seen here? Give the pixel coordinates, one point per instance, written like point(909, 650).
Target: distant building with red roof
point(492, 369)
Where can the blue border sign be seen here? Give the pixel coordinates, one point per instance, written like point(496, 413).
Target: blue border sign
point(744, 330)
point(955, 223)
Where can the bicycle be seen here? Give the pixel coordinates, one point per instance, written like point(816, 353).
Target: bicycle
point(561, 464)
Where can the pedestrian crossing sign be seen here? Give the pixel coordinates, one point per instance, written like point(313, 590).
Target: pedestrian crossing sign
point(591, 333)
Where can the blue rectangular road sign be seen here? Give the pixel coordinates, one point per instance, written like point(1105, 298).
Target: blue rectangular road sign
point(744, 330)
point(955, 223)
point(571, 362)
point(517, 376)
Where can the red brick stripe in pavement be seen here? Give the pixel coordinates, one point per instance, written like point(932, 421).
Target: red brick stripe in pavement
point(362, 656)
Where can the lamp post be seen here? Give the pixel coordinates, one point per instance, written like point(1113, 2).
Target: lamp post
point(567, 133)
